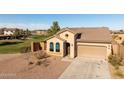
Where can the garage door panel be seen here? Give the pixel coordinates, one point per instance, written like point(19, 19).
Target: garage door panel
point(92, 51)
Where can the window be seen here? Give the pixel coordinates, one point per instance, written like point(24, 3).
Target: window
point(66, 35)
point(78, 36)
point(57, 47)
point(51, 46)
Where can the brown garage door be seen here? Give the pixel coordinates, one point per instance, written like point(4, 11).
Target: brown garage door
point(91, 51)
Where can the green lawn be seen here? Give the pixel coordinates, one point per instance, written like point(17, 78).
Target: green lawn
point(38, 38)
point(13, 46)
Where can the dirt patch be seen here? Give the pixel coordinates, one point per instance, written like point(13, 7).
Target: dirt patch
point(17, 67)
point(4, 57)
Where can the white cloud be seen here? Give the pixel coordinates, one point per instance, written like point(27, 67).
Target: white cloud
point(25, 26)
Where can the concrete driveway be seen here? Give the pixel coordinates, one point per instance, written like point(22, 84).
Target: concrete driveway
point(87, 68)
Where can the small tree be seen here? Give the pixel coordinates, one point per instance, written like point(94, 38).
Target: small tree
point(115, 61)
point(16, 33)
point(114, 36)
point(54, 28)
point(120, 38)
point(25, 33)
point(122, 43)
point(28, 33)
point(42, 58)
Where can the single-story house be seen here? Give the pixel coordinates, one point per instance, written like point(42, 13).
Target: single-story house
point(9, 31)
point(80, 42)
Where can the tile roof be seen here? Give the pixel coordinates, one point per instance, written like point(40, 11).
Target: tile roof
point(90, 34)
point(100, 34)
point(95, 34)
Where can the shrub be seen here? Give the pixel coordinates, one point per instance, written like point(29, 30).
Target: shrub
point(39, 62)
point(114, 36)
point(30, 63)
point(25, 49)
point(122, 43)
point(41, 55)
point(119, 73)
point(115, 61)
point(120, 38)
point(42, 62)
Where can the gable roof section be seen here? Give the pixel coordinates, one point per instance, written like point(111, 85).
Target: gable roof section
point(64, 30)
point(101, 34)
point(56, 36)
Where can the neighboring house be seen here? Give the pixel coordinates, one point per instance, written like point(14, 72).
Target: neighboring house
point(80, 42)
point(8, 31)
point(39, 32)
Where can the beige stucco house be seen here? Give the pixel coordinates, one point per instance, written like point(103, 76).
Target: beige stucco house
point(80, 42)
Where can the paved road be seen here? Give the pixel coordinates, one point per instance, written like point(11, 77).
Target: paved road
point(87, 68)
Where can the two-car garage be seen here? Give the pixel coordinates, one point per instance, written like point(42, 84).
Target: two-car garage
point(94, 51)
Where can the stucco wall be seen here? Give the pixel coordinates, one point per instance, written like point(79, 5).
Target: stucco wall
point(69, 39)
point(55, 40)
point(42, 44)
point(121, 51)
point(115, 49)
point(118, 50)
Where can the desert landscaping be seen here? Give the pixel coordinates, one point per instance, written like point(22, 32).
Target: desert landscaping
point(17, 66)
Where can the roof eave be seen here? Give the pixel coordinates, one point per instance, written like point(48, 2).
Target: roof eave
point(109, 42)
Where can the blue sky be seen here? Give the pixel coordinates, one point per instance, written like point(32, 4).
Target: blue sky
point(44, 21)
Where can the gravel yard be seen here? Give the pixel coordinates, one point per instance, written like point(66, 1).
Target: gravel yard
point(15, 66)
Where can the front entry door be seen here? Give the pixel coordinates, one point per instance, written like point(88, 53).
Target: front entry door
point(67, 49)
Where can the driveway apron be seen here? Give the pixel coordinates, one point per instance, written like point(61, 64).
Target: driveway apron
point(87, 68)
